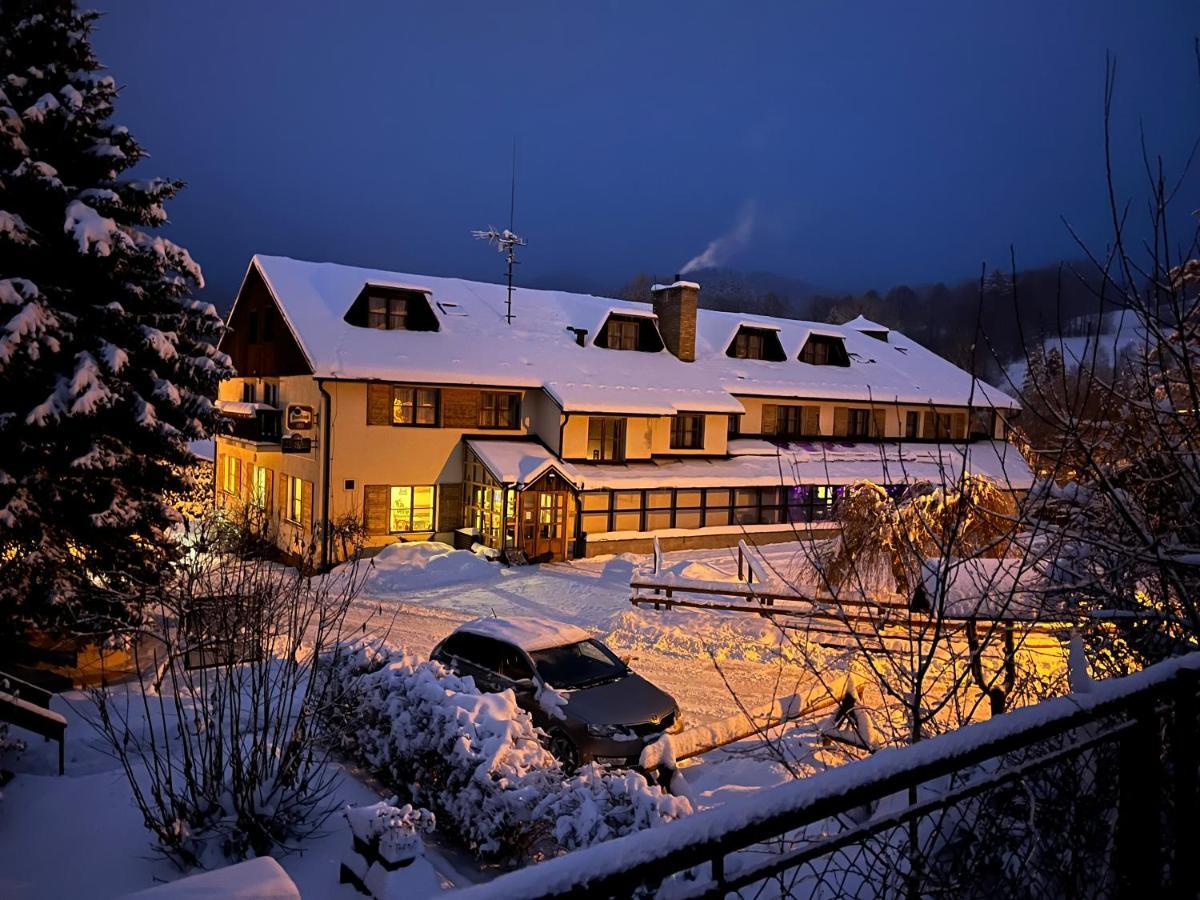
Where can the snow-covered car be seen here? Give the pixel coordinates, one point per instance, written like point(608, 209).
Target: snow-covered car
point(590, 704)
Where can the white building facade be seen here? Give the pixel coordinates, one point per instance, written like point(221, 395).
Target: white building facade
point(585, 426)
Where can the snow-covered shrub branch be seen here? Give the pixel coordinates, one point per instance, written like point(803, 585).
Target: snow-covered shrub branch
point(477, 760)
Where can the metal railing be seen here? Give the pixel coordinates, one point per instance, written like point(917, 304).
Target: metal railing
point(1090, 795)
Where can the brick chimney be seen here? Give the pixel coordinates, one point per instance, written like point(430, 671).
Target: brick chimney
point(675, 306)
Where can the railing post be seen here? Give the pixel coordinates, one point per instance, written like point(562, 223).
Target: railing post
point(1184, 759)
point(1139, 805)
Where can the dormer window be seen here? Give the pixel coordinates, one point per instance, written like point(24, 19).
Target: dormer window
point(756, 343)
point(388, 313)
point(824, 350)
point(392, 309)
point(627, 332)
point(623, 334)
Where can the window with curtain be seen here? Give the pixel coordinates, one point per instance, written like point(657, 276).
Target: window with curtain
point(414, 406)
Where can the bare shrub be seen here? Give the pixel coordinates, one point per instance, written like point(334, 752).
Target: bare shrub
point(220, 740)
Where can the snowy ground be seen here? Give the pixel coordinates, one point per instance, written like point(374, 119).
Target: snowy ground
point(414, 596)
point(416, 607)
point(80, 835)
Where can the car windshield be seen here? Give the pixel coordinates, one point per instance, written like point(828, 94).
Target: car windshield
point(577, 665)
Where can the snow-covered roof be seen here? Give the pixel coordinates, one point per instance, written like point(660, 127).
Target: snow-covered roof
point(526, 632)
point(514, 462)
point(899, 371)
point(474, 346)
point(862, 323)
point(757, 462)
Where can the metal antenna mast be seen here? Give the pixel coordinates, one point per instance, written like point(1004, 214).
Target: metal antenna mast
point(506, 241)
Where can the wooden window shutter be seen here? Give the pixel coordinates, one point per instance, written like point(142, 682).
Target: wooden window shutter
point(841, 421)
point(930, 428)
point(375, 508)
point(811, 420)
point(306, 502)
point(269, 496)
point(460, 408)
point(770, 418)
point(379, 404)
point(958, 430)
point(878, 422)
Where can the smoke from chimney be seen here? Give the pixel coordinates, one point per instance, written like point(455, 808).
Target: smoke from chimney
point(721, 249)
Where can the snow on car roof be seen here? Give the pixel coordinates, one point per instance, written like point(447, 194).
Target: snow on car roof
point(475, 346)
point(527, 632)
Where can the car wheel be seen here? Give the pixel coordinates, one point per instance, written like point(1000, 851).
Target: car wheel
point(565, 751)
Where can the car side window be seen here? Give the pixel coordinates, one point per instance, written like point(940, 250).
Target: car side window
point(474, 649)
point(513, 664)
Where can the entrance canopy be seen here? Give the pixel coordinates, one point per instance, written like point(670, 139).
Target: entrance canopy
point(516, 463)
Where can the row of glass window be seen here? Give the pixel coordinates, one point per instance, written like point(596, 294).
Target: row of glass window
point(659, 509)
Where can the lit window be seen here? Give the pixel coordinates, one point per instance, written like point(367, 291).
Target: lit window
point(258, 487)
point(411, 508)
point(414, 406)
point(295, 507)
point(499, 410)
point(232, 476)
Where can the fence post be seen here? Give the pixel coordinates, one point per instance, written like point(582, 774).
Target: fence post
point(1139, 804)
point(1184, 758)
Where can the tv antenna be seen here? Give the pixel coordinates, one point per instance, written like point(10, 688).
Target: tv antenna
point(506, 240)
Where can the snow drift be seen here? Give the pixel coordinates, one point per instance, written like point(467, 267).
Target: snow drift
point(411, 567)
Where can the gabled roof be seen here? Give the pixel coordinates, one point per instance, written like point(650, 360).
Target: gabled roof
point(474, 346)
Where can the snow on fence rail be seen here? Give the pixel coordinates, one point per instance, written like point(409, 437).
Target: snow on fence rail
point(1093, 794)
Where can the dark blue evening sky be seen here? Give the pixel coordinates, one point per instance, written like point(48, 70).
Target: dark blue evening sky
point(870, 143)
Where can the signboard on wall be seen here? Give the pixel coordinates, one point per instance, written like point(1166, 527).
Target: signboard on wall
point(299, 418)
point(295, 443)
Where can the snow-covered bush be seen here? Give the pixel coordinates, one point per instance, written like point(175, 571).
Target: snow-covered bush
point(595, 806)
point(477, 760)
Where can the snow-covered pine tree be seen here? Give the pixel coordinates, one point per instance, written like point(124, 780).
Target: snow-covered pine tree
point(107, 363)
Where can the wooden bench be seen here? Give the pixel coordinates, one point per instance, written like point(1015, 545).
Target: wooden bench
point(28, 706)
